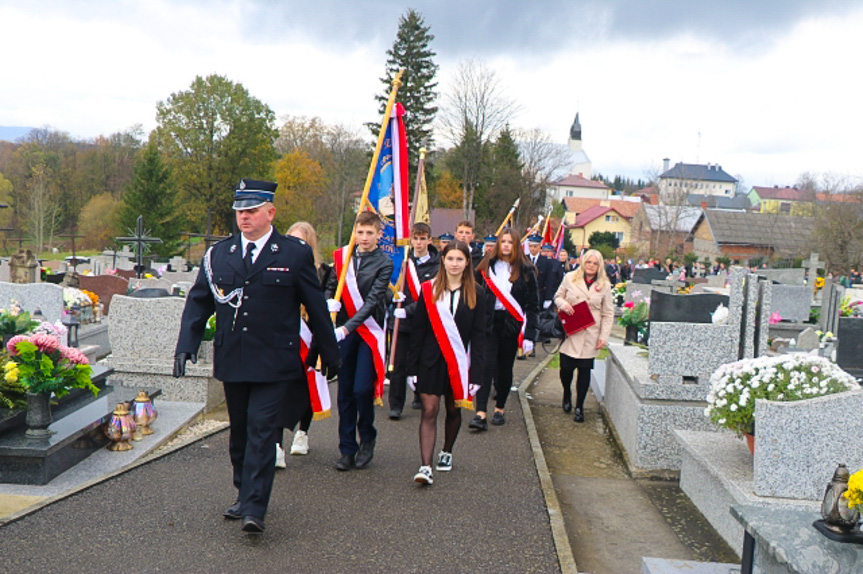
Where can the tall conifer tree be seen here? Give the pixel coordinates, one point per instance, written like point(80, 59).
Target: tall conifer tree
point(417, 93)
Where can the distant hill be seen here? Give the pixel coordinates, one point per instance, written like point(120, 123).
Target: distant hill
point(12, 133)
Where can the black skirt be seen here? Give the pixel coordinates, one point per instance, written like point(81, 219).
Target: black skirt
point(434, 380)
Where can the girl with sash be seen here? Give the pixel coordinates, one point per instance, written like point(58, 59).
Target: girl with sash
point(319, 404)
point(448, 333)
point(587, 283)
point(512, 285)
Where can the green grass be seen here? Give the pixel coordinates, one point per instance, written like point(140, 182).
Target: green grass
point(554, 363)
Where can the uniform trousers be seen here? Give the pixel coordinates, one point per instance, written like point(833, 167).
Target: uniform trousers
point(253, 409)
point(500, 350)
point(356, 396)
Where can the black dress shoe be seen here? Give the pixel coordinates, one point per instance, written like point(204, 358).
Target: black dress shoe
point(233, 512)
point(253, 524)
point(395, 414)
point(345, 462)
point(365, 454)
point(567, 406)
point(579, 416)
point(478, 423)
point(498, 419)
point(416, 404)
point(522, 357)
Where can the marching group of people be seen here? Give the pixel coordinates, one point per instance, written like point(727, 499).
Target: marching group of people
point(465, 311)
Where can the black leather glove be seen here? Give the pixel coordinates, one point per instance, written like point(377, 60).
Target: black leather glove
point(330, 369)
point(180, 363)
point(312, 357)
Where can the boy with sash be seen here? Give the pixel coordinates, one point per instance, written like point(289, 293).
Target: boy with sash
point(361, 336)
point(422, 265)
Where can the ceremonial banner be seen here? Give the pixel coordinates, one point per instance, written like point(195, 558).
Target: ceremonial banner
point(421, 211)
point(388, 194)
point(546, 237)
point(558, 240)
point(319, 392)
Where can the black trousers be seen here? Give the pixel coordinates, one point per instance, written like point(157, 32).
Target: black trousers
point(568, 365)
point(398, 376)
point(253, 409)
point(500, 353)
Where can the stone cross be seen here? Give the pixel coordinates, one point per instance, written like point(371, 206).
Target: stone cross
point(812, 266)
point(141, 241)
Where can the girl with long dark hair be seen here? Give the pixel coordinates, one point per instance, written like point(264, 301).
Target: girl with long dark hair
point(512, 285)
point(447, 356)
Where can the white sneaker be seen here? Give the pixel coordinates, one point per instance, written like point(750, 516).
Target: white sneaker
point(444, 461)
point(424, 476)
point(301, 443)
point(280, 457)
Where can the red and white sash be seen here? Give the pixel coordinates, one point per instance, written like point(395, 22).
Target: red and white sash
point(454, 353)
point(507, 300)
point(412, 280)
point(372, 333)
point(318, 389)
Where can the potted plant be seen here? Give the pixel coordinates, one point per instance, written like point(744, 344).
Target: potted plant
point(14, 321)
point(619, 292)
point(736, 386)
point(634, 317)
point(44, 367)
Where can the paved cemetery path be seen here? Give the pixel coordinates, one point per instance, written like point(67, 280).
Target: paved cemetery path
point(487, 515)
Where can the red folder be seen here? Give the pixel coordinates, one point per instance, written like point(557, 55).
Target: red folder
point(580, 319)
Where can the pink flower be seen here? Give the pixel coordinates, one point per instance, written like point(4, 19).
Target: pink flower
point(629, 304)
point(14, 341)
point(774, 318)
point(74, 356)
point(45, 343)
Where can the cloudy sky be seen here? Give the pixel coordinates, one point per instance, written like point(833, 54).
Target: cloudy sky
point(768, 89)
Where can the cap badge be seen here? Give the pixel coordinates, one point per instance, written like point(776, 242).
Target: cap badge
point(242, 184)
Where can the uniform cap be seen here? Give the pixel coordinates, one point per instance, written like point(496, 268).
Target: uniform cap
point(547, 246)
point(491, 238)
point(535, 239)
point(251, 193)
point(447, 236)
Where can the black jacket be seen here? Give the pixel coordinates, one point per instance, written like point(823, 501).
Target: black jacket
point(552, 280)
point(526, 293)
point(543, 268)
point(259, 342)
point(425, 350)
point(426, 271)
point(373, 270)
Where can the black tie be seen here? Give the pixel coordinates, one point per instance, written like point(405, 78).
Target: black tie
point(247, 260)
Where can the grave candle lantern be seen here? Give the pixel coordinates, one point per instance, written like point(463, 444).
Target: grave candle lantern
point(119, 428)
point(144, 412)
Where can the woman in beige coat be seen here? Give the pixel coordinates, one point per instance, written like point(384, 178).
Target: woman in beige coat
point(587, 283)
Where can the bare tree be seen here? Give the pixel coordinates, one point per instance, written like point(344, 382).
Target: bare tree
point(474, 110)
point(346, 164)
point(543, 161)
point(44, 213)
point(838, 228)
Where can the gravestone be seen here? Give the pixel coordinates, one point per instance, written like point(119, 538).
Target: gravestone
point(43, 296)
point(177, 276)
point(807, 340)
point(670, 308)
point(648, 275)
point(717, 280)
point(849, 348)
point(795, 276)
point(143, 335)
point(23, 267)
point(812, 265)
point(831, 300)
point(792, 302)
point(150, 284)
point(105, 286)
point(177, 263)
point(4, 270)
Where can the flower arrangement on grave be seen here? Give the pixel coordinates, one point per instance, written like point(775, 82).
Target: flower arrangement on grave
point(73, 296)
point(825, 337)
point(43, 366)
point(94, 299)
point(847, 308)
point(774, 318)
point(735, 386)
point(635, 312)
point(854, 494)
point(685, 290)
point(618, 292)
point(43, 273)
point(15, 321)
point(819, 283)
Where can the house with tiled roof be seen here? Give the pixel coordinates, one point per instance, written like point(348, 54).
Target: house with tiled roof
point(659, 229)
point(782, 200)
point(584, 216)
point(578, 186)
point(744, 235)
point(685, 178)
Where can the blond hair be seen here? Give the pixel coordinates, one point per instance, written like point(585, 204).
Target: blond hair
point(601, 278)
point(305, 231)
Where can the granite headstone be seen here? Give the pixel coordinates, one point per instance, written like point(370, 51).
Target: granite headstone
point(648, 275)
point(668, 308)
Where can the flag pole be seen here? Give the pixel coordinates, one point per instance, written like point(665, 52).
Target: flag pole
point(403, 272)
point(547, 223)
point(509, 215)
point(533, 229)
point(364, 200)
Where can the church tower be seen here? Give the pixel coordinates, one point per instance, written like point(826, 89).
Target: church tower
point(581, 163)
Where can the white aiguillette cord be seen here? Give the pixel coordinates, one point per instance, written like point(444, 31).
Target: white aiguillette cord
point(218, 294)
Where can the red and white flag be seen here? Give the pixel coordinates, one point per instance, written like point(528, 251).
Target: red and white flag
point(455, 354)
point(319, 392)
point(372, 333)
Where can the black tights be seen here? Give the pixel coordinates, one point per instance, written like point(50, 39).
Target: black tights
point(567, 366)
point(428, 425)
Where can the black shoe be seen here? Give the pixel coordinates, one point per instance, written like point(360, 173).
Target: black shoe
point(532, 354)
point(567, 405)
point(233, 512)
point(478, 423)
point(395, 414)
point(365, 455)
point(253, 524)
point(416, 404)
point(346, 462)
point(522, 357)
point(498, 419)
point(579, 416)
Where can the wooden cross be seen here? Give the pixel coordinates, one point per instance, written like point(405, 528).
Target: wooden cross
point(72, 235)
point(141, 241)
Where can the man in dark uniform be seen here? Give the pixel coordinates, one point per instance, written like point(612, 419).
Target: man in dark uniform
point(553, 277)
point(488, 245)
point(541, 265)
point(426, 262)
point(444, 240)
point(255, 282)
